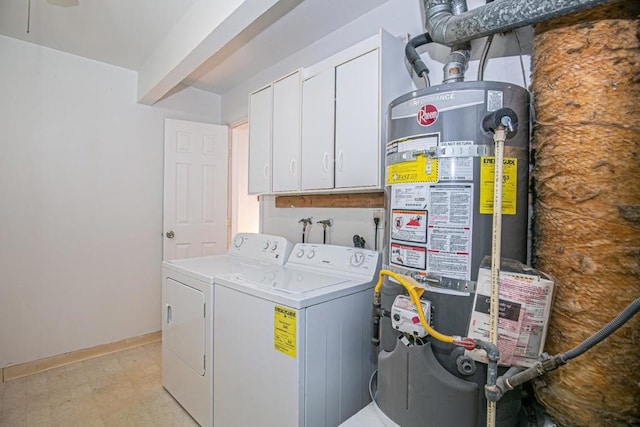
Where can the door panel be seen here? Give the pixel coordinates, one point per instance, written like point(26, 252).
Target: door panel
point(260, 141)
point(286, 133)
point(318, 93)
point(357, 126)
point(185, 324)
point(195, 189)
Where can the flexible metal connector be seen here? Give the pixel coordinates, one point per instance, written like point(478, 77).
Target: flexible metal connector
point(495, 17)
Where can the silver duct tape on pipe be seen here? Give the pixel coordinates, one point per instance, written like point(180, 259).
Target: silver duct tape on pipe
point(458, 60)
point(496, 17)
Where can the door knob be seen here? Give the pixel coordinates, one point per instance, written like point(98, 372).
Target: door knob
point(170, 234)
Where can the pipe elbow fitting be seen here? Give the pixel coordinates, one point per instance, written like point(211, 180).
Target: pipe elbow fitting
point(436, 21)
point(493, 354)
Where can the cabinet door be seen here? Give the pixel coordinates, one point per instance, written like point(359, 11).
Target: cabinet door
point(260, 141)
point(357, 122)
point(286, 133)
point(317, 143)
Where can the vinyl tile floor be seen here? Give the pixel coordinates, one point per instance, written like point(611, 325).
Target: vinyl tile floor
point(119, 389)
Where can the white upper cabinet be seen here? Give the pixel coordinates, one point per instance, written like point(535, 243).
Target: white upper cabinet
point(260, 141)
point(357, 128)
point(318, 112)
point(328, 131)
point(286, 133)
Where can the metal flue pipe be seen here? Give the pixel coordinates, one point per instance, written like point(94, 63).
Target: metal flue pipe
point(458, 60)
point(496, 17)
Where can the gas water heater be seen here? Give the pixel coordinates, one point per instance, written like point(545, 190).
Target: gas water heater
point(439, 184)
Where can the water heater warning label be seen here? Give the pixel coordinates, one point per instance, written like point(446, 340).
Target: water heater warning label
point(422, 169)
point(284, 330)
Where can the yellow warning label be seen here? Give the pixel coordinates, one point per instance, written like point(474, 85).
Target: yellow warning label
point(284, 330)
point(422, 169)
point(509, 185)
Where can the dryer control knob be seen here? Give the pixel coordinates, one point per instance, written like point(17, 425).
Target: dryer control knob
point(265, 245)
point(274, 246)
point(300, 253)
point(238, 241)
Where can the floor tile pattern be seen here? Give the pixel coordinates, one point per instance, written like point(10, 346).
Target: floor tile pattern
point(120, 389)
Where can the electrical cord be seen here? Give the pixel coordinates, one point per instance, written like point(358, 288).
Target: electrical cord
point(484, 56)
point(376, 221)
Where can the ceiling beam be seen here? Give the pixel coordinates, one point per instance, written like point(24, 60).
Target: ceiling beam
point(209, 29)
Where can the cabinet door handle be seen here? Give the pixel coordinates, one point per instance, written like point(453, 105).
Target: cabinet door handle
point(169, 314)
point(265, 172)
point(325, 162)
point(292, 166)
point(341, 160)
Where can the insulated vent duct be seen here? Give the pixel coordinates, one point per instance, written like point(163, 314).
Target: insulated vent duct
point(450, 29)
point(586, 81)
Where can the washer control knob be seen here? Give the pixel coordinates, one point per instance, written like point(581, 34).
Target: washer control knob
point(238, 241)
point(265, 245)
point(311, 254)
point(274, 246)
point(357, 259)
point(300, 253)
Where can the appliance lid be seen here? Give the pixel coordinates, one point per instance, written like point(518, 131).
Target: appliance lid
point(207, 268)
point(289, 281)
point(292, 287)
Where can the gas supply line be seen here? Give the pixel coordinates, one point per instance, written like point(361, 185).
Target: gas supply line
point(415, 291)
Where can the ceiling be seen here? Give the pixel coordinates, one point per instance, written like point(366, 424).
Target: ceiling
point(126, 32)
point(118, 32)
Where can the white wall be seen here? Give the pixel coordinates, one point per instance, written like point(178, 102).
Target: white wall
point(80, 201)
point(346, 223)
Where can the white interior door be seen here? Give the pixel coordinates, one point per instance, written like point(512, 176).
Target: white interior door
point(195, 189)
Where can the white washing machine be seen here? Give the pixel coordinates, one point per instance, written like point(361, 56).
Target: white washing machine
point(292, 347)
point(187, 318)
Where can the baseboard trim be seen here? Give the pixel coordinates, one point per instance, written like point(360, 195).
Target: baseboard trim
point(29, 368)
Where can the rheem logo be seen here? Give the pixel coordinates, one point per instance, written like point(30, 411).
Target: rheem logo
point(427, 115)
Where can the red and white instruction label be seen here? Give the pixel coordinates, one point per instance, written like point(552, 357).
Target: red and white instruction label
point(409, 226)
point(408, 256)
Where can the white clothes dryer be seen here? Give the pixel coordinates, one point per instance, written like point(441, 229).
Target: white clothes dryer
point(187, 315)
point(292, 347)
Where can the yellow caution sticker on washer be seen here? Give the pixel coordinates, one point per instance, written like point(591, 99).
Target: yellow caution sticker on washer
point(509, 185)
point(284, 330)
point(422, 169)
